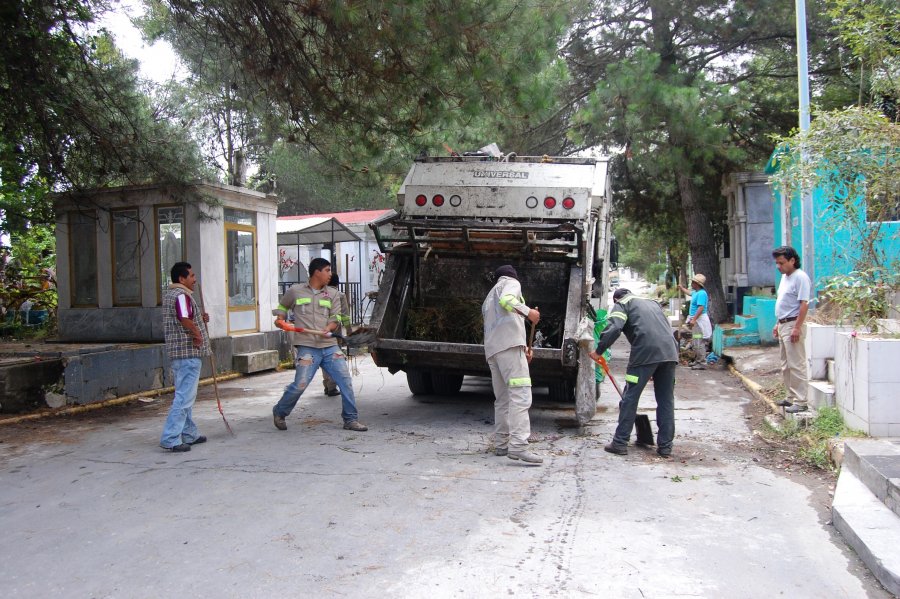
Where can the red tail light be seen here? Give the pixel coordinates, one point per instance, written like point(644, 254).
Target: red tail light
point(421, 200)
point(549, 203)
point(438, 200)
point(568, 203)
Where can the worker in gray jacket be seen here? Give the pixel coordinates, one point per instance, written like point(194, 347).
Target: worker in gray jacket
point(504, 313)
point(654, 354)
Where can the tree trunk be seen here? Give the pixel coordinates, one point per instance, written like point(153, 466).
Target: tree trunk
point(703, 247)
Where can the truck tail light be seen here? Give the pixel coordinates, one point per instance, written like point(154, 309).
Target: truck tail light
point(455, 201)
point(549, 203)
point(438, 200)
point(421, 200)
point(531, 202)
point(568, 203)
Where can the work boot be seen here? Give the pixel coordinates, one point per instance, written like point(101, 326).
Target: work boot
point(793, 409)
point(332, 392)
point(664, 454)
point(355, 425)
point(501, 451)
point(279, 422)
point(784, 403)
point(200, 439)
point(526, 456)
point(178, 448)
point(616, 449)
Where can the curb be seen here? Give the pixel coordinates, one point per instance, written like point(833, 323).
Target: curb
point(111, 402)
point(754, 388)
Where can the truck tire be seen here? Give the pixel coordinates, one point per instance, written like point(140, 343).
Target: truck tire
point(562, 392)
point(446, 383)
point(419, 382)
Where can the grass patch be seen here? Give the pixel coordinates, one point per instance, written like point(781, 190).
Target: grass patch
point(812, 440)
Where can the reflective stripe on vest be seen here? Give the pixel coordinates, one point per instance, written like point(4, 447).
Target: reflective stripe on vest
point(630, 378)
point(520, 382)
point(282, 308)
point(302, 301)
point(617, 314)
point(325, 303)
point(505, 302)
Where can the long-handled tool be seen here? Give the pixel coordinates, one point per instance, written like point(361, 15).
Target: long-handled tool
point(359, 337)
point(641, 421)
point(212, 361)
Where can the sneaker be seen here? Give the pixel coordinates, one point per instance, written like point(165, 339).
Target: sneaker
point(526, 456)
point(178, 448)
point(200, 439)
point(279, 422)
point(616, 449)
point(355, 425)
point(501, 451)
point(784, 403)
point(795, 409)
point(665, 454)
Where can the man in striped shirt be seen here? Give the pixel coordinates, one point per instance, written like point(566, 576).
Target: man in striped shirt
point(186, 344)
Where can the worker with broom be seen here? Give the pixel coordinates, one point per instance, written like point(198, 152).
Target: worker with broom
point(508, 356)
point(315, 307)
point(186, 344)
point(654, 354)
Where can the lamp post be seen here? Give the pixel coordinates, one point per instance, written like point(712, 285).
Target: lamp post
point(806, 201)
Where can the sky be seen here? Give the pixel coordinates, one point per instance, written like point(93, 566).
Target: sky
point(159, 61)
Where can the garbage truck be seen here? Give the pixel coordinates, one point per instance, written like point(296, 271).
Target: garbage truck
point(459, 218)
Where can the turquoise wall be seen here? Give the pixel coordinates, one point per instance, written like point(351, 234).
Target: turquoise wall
point(834, 247)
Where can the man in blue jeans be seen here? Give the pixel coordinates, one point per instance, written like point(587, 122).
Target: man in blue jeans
point(186, 344)
point(316, 308)
point(654, 354)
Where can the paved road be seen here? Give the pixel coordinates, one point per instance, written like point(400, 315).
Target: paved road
point(416, 507)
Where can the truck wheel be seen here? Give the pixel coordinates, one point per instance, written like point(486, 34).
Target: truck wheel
point(419, 382)
point(562, 392)
point(446, 383)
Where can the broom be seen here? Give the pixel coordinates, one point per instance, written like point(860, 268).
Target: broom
point(212, 361)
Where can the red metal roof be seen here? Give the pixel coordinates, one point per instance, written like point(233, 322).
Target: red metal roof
point(345, 218)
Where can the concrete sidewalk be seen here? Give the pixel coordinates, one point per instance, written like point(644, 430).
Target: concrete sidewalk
point(866, 505)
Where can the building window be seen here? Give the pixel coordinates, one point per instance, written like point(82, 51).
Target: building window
point(240, 280)
point(240, 217)
point(83, 258)
point(169, 244)
point(126, 254)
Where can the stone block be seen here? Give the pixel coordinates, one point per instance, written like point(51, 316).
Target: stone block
point(820, 394)
point(256, 361)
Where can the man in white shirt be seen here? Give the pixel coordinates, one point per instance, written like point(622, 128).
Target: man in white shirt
point(791, 307)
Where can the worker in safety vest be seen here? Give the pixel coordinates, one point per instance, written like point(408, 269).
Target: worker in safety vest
point(654, 354)
point(508, 356)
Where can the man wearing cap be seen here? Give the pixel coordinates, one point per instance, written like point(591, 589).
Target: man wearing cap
point(698, 319)
point(791, 306)
point(508, 356)
point(654, 354)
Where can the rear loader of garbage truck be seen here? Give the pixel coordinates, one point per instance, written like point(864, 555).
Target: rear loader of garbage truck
point(461, 218)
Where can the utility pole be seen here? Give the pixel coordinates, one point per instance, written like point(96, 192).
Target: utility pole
point(806, 199)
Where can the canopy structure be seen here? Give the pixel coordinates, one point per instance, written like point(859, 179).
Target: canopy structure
point(314, 230)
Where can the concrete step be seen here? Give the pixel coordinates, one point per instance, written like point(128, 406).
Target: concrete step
point(829, 370)
point(869, 527)
point(876, 462)
point(820, 394)
point(256, 361)
point(747, 322)
point(803, 419)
